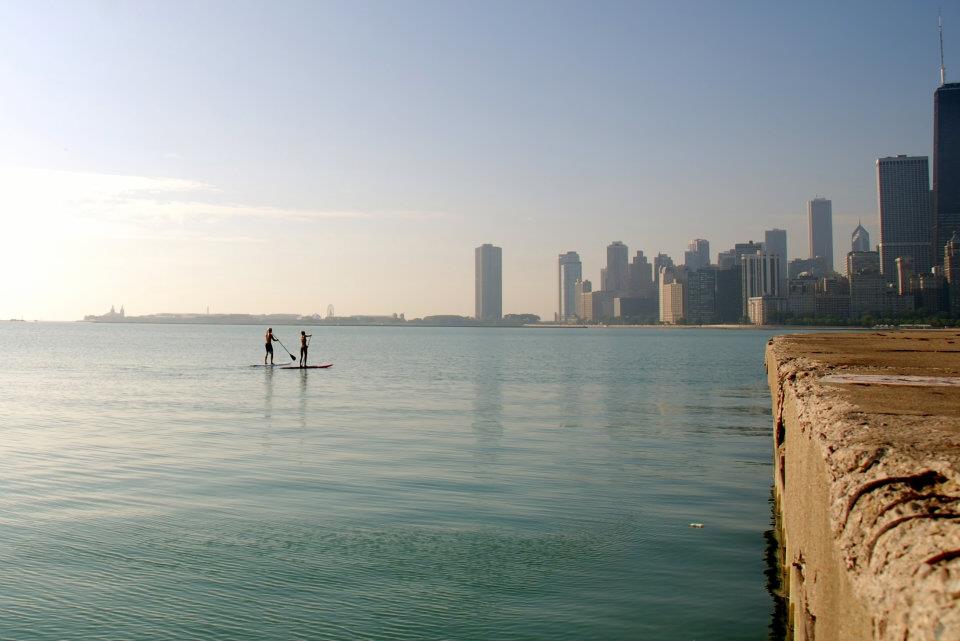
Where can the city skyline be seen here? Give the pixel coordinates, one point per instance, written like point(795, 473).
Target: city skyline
point(230, 181)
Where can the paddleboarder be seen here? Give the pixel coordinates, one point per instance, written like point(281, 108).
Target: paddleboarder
point(269, 339)
point(304, 344)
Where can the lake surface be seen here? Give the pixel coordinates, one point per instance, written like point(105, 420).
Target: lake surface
point(436, 483)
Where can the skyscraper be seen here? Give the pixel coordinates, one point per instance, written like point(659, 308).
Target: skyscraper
point(727, 259)
point(775, 242)
point(701, 304)
point(946, 164)
point(815, 267)
point(905, 274)
point(729, 294)
point(820, 219)
point(488, 281)
point(862, 263)
point(951, 259)
point(860, 239)
point(616, 278)
point(660, 261)
point(951, 272)
point(671, 296)
point(570, 271)
point(641, 274)
point(584, 287)
point(743, 249)
point(697, 254)
point(903, 196)
point(761, 276)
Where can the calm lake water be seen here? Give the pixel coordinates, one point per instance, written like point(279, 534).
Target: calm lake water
point(436, 483)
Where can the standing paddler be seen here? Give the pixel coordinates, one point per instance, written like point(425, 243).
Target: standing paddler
point(304, 344)
point(269, 339)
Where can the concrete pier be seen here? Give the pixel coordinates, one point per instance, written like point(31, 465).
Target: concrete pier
point(867, 478)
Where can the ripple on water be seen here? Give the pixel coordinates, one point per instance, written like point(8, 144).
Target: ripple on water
point(436, 484)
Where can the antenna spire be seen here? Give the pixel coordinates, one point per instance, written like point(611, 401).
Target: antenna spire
point(943, 70)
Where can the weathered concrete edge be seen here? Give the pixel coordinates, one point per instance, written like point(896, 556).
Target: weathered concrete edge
point(867, 555)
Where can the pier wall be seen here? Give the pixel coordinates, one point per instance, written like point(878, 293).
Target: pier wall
point(867, 480)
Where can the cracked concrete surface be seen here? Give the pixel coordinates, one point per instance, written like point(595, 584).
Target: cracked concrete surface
point(868, 483)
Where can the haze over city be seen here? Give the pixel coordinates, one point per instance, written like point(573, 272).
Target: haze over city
point(171, 159)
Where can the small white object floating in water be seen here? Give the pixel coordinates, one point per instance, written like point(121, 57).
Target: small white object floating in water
point(697, 525)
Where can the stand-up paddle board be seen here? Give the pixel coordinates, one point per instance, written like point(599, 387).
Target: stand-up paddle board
point(271, 365)
point(325, 366)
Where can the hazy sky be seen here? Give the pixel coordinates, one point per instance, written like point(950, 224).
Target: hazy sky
point(280, 157)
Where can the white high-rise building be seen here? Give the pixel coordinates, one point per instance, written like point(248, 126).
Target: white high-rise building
point(584, 287)
point(488, 282)
point(671, 297)
point(569, 272)
point(760, 276)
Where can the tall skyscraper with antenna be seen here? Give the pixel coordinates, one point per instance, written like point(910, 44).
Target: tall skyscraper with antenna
point(946, 160)
point(943, 70)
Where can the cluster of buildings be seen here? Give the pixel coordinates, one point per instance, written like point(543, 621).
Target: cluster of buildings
point(697, 290)
point(753, 282)
point(913, 270)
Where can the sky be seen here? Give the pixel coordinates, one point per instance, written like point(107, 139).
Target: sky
point(280, 157)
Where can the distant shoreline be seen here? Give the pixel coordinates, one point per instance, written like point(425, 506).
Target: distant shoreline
point(358, 323)
point(287, 321)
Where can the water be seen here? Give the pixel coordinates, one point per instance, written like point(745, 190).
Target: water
point(436, 483)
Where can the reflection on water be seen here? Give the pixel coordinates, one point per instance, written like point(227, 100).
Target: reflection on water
point(773, 551)
point(304, 375)
point(487, 415)
point(571, 402)
point(268, 392)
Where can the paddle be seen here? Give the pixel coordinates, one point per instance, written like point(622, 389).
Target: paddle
point(292, 357)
